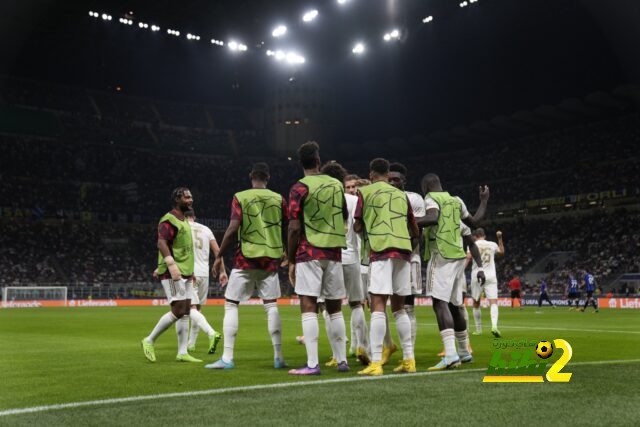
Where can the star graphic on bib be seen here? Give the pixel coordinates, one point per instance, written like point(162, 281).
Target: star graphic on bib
point(452, 228)
point(327, 209)
point(381, 200)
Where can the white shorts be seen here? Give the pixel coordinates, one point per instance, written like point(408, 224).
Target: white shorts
point(441, 279)
point(490, 289)
point(320, 278)
point(200, 290)
point(353, 282)
point(416, 278)
point(178, 290)
point(242, 283)
point(390, 277)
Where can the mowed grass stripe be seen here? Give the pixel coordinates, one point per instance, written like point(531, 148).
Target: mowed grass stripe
point(215, 391)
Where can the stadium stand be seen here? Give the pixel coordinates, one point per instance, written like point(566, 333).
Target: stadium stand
point(87, 164)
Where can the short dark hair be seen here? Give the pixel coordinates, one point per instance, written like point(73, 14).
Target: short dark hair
point(260, 171)
point(334, 170)
point(190, 213)
point(429, 180)
point(351, 177)
point(379, 166)
point(398, 167)
point(309, 154)
point(177, 193)
point(479, 232)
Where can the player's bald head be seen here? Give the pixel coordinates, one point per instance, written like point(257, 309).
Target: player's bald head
point(479, 232)
point(431, 182)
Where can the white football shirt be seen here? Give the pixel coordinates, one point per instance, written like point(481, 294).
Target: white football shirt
point(488, 252)
point(417, 206)
point(202, 236)
point(351, 254)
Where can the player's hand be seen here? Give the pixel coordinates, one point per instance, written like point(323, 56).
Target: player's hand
point(481, 278)
point(223, 279)
point(173, 268)
point(155, 273)
point(499, 234)
point(284, 263)
point(292, 274)
point(484, 193)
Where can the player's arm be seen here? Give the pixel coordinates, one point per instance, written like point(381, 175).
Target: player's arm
point(467, 260)
point(163, 247)
point(500, 243)
point(475, 254)
point(474, 221)
point(430, 218)
point(358, 223)
point(414, 231)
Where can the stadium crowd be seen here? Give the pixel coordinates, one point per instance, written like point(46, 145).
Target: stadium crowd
point(111, 154)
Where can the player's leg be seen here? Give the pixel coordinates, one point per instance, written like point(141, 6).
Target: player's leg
point(353, 286)
point(198, 321)
point(164, 322)
point(308, 287)
point(491, 293)
point(594, 302)
point(182, 324)
point(377, 330)
point(476, 295)
point(322, 309)
point(415, 279)
point(441, 278)
point(586, 301)
point(401, 284)
point(269, 292)
point(461, 331)
point(333, 289)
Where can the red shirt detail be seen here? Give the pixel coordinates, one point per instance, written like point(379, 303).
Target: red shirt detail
point(306, 251)
point(167, 231)
point(263, 263)
point(514, 284)
point(391, 252)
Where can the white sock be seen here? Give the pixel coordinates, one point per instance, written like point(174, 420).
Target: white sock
point(339, 334)
point(354, 338)
point(410, 309)
point(329, 330)
point(403, 325)
point(449, 341)
point(193, 332)
point(477, 318)
point(494, 316)
point(230, 330)
point(163, 324)
point(388, 340)
point(182, 330)
point(275, 328)
point(199, 319)
point(463, 342)
point(358, 327)
point(376, 337)
point(310, 332)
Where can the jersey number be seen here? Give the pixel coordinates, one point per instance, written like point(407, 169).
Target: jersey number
point(199, 242)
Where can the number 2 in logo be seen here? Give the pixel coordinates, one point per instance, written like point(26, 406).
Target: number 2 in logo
point(554, 374)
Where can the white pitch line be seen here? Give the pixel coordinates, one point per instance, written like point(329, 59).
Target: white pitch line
point(215, 391)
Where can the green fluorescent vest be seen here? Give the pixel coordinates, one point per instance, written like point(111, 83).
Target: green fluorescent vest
point(182, 246)
point(385, 217)
point(323, 222)
point(445, 236)
point(261, 232)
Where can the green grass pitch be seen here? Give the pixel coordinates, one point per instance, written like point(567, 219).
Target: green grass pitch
point(57, 355)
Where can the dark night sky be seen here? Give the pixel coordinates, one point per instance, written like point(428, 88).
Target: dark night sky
point(494, 57)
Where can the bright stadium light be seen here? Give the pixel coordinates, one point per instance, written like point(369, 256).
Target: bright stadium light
point(387, 37)
point(464, 4)
point(93, 14)
point(155, 28)
point(233, 45)
point(279, 31)
point(310, 15)
point(395, 34)
point(104, 16)
point(427, 19)
point(242, 47)
point(343, 1)
point(270, 52)
point(358, 49)
point(217, 42)
point(294, 58)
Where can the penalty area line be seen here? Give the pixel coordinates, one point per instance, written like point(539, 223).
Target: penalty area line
point(215, 391)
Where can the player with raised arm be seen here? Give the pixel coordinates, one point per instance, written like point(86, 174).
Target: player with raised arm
point(351, 269)
point(204, 242)
point(488, 251)
point(445, 254)
point(258, 218)
point(384, 214)
point(175, 271)
point(318, 212)
point(572, 292)
point(398, 178)
point(590, 288)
